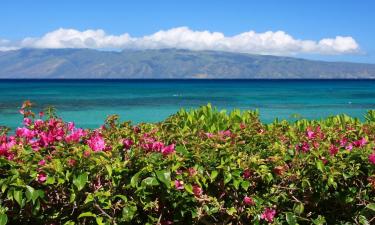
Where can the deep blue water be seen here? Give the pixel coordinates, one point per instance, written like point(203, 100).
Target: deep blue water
point(88, 102)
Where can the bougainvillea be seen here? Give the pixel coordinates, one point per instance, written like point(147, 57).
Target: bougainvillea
point(196, 167)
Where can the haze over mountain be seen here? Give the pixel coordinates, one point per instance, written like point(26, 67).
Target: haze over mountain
point(168, 63)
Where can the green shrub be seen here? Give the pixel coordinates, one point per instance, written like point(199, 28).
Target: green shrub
point(196, 167)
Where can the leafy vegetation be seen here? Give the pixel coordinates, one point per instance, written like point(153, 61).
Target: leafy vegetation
point(196, 167)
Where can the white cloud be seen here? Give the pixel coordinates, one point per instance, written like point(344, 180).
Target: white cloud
point(274, 43)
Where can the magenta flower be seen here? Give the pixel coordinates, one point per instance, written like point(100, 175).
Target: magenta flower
point(179, 185)
point(371, 158)
point(168, 149)
point(197, 191)
point(42, 162)
point(96, 142)
point(304, 147)
point(157, 146)
point(27, 121)
point(86, 153)
point(343, 142)
point(127, 143)
point(209, 135)
point(310, 134)
point(246, 174)
point(226, 133)
point(248, 201)
point(268, 215)
point(72, 162)
point(192, 171)
point(42, 177)
point(25, 133)
point(333, 150)
point(349, 147)
point(75, 135)
point(360, 143)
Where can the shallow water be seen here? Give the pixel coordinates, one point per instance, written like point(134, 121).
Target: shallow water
point(88, 102)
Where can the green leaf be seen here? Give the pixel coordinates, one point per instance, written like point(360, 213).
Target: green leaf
point(320, 220)
point(81, 181)
point(213, 175)
point(291, 218)
point(99, 220)
point(89, 198)
point(363, 220)
point(32, 194)
point(245, 185)
point(189, 188)
point(299, 208)
point(227, 177)
point(17, 194)
point(3, 219)
point(371, 206)
point(87, 214)
point(128, 212)
point(150, 181)
point(109, 170)
point(134, 179)
point(164, 177)
point(182, 150)
point(319, 165)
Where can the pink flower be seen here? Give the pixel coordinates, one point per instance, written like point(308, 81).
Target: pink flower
point(192, 172)
point(25, 133)
point(157, 146)
point(246, 174)
point(42, 177)
point(75, 136)
point(179, 185)
point(42, 162)
point(349, 147)
point(72, 162)
point(371, 158)
point(248, 201)
point(343, 142)
point(197, 191)
point(27, 121)
point(86, 153)
point(127, 143)
point(168, 149)
point(310, 134)
point(333, 150)
point(268, 215)
point(304, 147)
point(360, 143)
point(96, 142)
point(71, 126)
point(209, 135)
point(226, 133)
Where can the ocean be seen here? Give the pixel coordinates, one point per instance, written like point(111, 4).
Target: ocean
point(89, 102)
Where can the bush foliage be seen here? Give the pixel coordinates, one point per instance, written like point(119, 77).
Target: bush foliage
point(202, 166)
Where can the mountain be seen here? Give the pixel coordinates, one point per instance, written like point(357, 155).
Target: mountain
point(168, 63)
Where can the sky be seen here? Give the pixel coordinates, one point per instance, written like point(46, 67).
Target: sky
point(333, 30)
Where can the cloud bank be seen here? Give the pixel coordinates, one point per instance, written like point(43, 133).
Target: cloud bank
point(270, 42)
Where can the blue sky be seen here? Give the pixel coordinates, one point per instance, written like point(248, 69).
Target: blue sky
point(302, 20)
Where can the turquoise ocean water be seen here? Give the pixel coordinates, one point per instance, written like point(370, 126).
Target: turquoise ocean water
point(88, 102)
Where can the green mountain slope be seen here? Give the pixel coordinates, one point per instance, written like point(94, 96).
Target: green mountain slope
point(168, 63)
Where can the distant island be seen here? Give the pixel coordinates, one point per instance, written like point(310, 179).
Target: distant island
point(170, 63)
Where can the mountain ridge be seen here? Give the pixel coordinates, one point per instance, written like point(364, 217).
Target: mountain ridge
point(170, 63)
